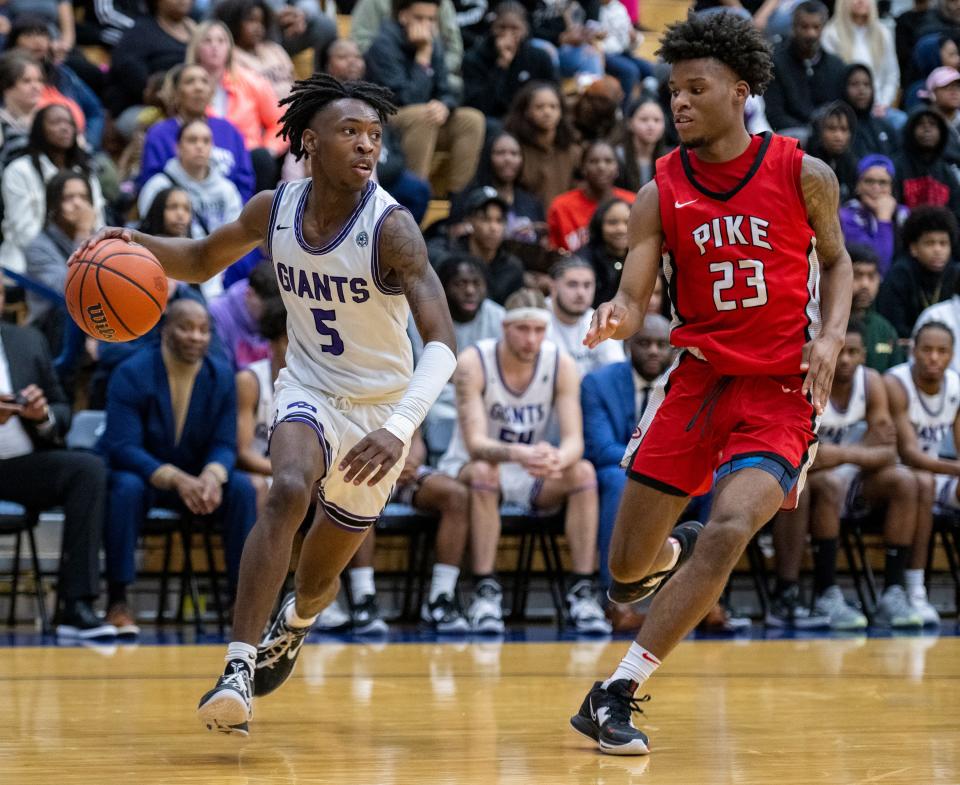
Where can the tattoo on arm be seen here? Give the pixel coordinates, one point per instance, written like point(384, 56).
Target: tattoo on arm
point(403, 252)
point(822, 196)
point(492, 453)
point(821, 192)
point(472, 418)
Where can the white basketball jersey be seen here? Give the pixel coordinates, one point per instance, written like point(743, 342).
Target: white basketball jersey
point(346, 324)
point(840, 426)
point(513, 416)
point(263, 418)
point(932, 416)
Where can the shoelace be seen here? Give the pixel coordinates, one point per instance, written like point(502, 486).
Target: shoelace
point(485, 607)
point(626, 704)
point(287, 641)
point(443, 610)
point(585, 607)
point(239, 680)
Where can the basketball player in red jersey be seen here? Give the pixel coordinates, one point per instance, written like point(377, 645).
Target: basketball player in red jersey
point(747, 226)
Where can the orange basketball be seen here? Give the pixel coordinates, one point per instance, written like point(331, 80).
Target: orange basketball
point(117, 291)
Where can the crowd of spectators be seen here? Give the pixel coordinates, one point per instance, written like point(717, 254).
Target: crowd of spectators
point(533, 124)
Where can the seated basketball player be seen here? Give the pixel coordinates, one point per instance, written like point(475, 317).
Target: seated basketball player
point(255, 399)
point(352, 266)
point(853, 469)
point(507, 393)
point(424, 488)
point(475, 316)
point(171, 442)
point(925, 402)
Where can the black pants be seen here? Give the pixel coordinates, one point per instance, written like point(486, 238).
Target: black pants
point(77, 481)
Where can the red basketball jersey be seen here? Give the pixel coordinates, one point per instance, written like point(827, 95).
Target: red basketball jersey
point(741, 266)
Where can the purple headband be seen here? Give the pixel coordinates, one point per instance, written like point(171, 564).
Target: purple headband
point(874, 160)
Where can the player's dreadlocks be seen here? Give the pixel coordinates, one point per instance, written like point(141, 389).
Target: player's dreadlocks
point(732, 40)
point(309, 96)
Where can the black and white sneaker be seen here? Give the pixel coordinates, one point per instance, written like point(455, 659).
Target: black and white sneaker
point(366, 617)
point(486, 609)
point(606, 717)
point(278, 650)
point(227, 707)
point(585, 612)
point(787, 610)
point(686, 534)
point(444, 616)
point(79, 620)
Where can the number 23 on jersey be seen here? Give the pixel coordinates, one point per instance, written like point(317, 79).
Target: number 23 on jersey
point(752, 270)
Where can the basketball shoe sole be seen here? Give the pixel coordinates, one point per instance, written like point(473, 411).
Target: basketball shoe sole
point(225, 709)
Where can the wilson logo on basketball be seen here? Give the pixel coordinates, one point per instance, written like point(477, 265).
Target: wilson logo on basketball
point(99, 319)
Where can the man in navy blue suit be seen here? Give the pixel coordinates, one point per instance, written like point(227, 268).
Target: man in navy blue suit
point(613, 399)
point(171, 441)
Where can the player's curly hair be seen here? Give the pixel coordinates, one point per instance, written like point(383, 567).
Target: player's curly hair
point(731, 39)
point(311, 95)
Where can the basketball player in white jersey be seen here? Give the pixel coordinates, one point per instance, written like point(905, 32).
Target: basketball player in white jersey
point(507, 391)
point(856, 466)
point(255, 400)
point(351, 266)
point(924, 401)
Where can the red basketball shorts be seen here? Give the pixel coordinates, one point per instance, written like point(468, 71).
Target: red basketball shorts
point(707, 426)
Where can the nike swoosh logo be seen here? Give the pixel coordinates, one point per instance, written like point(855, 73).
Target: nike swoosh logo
point(602, 715)
point(281, 228)
point(787, 389)
point(648, 658)
point(678, 205)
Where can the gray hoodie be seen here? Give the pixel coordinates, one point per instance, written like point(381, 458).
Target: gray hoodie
point(215, 199)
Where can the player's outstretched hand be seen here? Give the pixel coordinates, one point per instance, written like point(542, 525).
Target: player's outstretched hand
point(606, 319)
point(819, 359)
point(107, 233)
point(378, 448)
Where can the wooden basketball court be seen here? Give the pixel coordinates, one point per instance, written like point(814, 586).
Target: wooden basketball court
point(830, 711)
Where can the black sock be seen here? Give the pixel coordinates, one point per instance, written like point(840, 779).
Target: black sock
point(116, 593)
point(824, 564)
point(574, 578)
point(895, 565)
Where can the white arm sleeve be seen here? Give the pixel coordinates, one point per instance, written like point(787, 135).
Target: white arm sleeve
point(434, 370)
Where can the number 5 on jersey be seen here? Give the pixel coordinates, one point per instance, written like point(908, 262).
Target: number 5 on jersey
point(754, 278)
point(320, 317)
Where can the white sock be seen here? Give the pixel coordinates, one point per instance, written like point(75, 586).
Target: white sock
point(444, 580)
point(676, 553)
point(361, 583)
point(237, 650)
point(637, 666)
point(295, 621)
point(914, 579)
